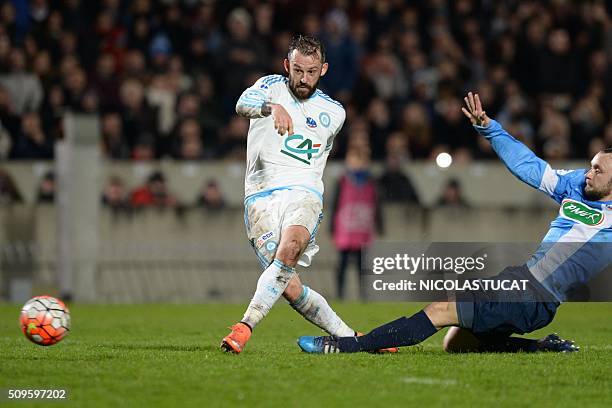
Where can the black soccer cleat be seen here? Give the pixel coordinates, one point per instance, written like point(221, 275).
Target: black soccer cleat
point(556, 344)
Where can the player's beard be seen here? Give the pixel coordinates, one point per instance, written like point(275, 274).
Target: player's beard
point(595, 194)
point(302, 91)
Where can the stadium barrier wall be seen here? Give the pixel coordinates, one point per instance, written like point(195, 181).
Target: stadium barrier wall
point(482, 183)
point(203, 256)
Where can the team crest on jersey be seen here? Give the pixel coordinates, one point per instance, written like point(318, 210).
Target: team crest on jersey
point(300, 149)
point(324, 119)
point(581, 212)
point(310, 122)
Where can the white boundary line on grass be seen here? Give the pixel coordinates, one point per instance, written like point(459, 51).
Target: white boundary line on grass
point(428, 381)
point(606, 347)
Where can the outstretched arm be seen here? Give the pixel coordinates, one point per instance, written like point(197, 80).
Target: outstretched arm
point(517, 157)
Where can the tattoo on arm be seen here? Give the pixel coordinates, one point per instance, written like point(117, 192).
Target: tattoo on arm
point(266, 108)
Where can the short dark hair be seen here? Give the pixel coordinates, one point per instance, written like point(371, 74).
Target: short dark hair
point(306, 45)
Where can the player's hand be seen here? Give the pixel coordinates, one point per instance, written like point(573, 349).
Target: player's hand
point(474, 110)
point(282, 120)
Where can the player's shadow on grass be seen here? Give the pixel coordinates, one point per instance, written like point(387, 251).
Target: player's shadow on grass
point(160, 347)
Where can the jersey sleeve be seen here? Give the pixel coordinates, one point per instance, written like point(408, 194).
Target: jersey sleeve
point(528, 167)
point(341, 119)
point(250, 102)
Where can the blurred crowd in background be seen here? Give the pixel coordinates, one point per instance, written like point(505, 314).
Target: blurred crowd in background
point(164, 75)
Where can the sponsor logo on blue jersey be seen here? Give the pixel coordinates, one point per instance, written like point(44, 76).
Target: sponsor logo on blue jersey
point(581, 212)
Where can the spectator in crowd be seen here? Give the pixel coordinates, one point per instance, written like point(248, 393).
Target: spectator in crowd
point(153, 194)
point(162, 96)
point(5, 143)
point(210, 196)
point(189, 140)
point(232, 138)
point(115, 195)
point(32, 142)
point(106, 82)
point(452, 195)
point(9, 193)
point(379, 118)
point(210, 109)
point(139, 119)
point(173, 25)
point(134, 64)
point(24, 88)
point(416, 125)
point(241, 53)
point(144, 148)
point(355, 215)
point(383, 68)
point(206, 39)
point(9, 122)
point(114, 142)
point(46, 189)
point(52, 112)
point(394, 185)
point(450, 128)
point(342, 53)
point(557, 67)
point(76, 87)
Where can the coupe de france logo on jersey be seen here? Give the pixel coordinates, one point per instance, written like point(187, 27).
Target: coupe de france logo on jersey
point(300, 149)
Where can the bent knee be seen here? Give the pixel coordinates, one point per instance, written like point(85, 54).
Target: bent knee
point(289, 252)
point(449, 344)
point(293, 290)
point(442, 314)
point(458, 340)
point(437, 307)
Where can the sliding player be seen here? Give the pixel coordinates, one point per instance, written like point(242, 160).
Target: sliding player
point(577, 246)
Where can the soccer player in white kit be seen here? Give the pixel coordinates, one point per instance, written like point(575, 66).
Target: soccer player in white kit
point(292, 128)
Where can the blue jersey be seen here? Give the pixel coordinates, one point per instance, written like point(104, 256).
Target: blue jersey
point(578, 244)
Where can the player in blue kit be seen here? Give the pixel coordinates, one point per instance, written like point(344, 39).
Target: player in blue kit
point(577, 246)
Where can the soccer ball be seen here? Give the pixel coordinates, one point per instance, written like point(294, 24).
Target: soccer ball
point(45, 320)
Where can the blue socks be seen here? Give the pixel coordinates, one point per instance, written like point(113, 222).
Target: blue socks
point(398, 333)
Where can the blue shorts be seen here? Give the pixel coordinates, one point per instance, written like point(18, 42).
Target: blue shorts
point(493, 312)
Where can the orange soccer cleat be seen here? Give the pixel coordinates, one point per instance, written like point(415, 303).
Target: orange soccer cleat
point(382, 351)
point(237, 339)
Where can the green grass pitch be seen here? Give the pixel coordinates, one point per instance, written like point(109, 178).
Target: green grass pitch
point(168, 355)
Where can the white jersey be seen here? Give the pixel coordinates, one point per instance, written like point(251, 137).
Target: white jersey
point(288, 161)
